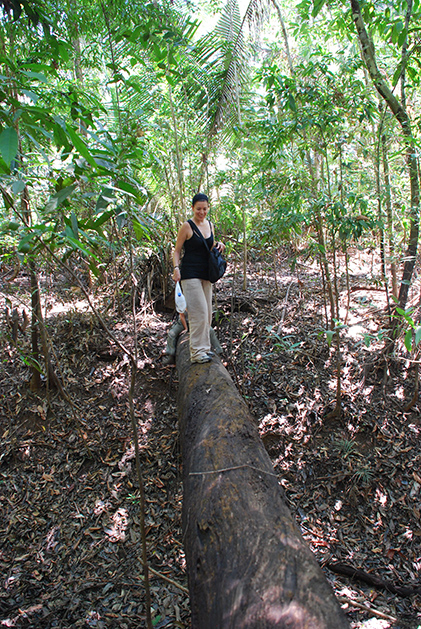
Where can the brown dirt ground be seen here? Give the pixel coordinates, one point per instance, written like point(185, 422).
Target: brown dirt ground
point(70, 551)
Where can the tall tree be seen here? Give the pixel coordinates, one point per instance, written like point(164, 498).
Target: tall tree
point(399, 110)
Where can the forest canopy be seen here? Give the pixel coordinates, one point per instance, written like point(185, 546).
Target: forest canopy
point(301, 121)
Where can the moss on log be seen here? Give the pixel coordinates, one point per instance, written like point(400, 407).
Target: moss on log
point(248, 565)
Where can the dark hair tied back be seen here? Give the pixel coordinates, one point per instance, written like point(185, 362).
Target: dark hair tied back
point(199, 197)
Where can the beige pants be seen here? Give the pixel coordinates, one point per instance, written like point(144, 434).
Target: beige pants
point(198, 294)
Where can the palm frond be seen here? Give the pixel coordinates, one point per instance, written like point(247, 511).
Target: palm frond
point(222, 68)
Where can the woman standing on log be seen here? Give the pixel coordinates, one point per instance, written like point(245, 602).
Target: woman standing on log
point(193, 273)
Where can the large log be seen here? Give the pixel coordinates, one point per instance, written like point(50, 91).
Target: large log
point(247, 563)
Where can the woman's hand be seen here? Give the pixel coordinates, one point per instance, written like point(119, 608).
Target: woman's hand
point(220, 246)
point(176, 275)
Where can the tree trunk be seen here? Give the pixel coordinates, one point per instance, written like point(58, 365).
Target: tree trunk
point(248, 566)
point(179, 158)
point(401, 115)
point(389, 213)
point(77, 48)
point(35, 382)
point(245, 252)
point(324, 262)
point(285, 36)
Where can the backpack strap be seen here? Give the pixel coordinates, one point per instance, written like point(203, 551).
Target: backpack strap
point(197, 231)
point(212, 233)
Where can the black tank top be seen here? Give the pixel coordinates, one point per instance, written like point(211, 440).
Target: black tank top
point(195, 260)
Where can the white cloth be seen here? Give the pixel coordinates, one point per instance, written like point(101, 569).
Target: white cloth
point(198, 294)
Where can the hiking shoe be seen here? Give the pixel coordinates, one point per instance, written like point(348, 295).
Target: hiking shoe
point(202, 359)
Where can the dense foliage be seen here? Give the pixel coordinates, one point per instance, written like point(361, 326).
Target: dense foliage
point(112, 115)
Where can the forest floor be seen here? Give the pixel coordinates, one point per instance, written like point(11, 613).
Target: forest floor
point(70, 544)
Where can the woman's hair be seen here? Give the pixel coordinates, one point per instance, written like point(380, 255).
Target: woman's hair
point(199, 197)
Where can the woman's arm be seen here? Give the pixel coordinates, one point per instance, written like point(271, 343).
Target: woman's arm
point(218, 245)
point(181, 239)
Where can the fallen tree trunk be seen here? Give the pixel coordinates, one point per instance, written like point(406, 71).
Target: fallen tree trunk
point(248, 566)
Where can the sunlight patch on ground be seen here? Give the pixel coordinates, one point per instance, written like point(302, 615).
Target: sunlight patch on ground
point(415, 428)
point(333, 383)
point(351, 595)
point(380, 497)
point(61, 308)
point(356, 332)
point(375, 623)
point(400, 393)
point(285, 280)
point(101, 507)
point(119, 523)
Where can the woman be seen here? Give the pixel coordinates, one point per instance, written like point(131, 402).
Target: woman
point(193, 273)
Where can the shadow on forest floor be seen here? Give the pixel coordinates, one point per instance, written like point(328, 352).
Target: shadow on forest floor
point(70, 555)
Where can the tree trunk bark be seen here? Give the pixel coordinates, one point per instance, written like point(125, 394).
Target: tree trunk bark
point(285, 36)
point(248, 566)
point(35, 382)
point(389, 214)
point(401, 114)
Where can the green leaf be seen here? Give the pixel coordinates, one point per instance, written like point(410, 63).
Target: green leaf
point(8, 144)
point(35, 75)
point(25, 244)
point(75, 226)
point(402, 37)
point(98, 222)
point(38, 67)
point(397, 29)
point(408, 340)
point(127, 187)
point(57, 199)
point(120, 217)
point(317, 7)
point(413, 74)
point(140, 230)
point(94, 268)
point(31, 362)
point(17, 10)
point(9, 226)
point(18, 186)
point(291, 102)
point(61, 138)
point(31, 95)
point(80, 146)
point(105, 198)
point(417, 336)
point(329, 336)
point(64, 53)
point(76, 244)
point(7, 199)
